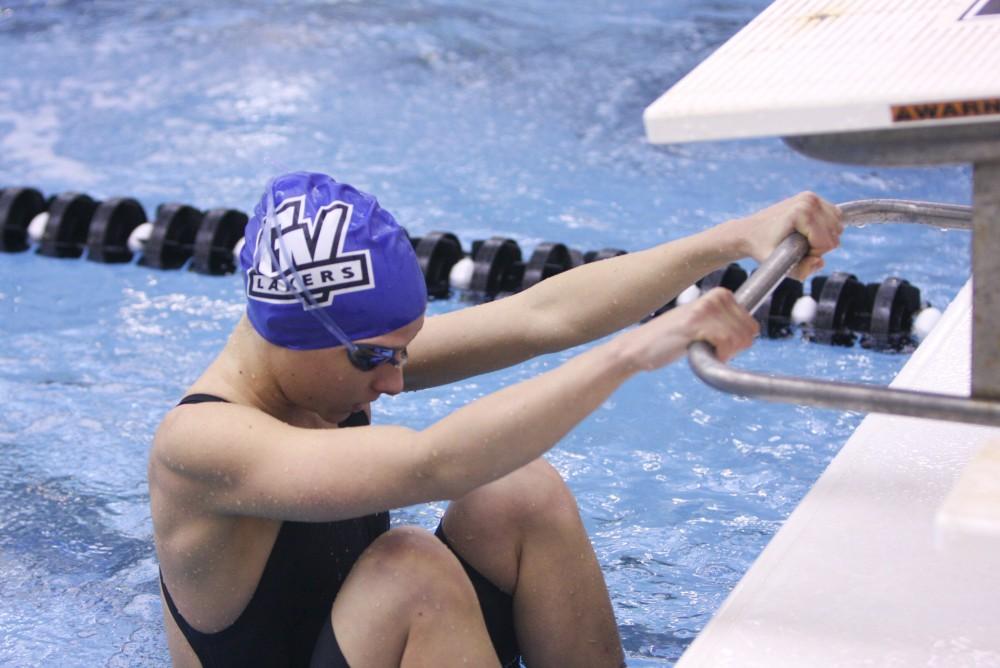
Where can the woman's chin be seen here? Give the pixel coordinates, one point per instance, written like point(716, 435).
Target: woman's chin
point(335, 417)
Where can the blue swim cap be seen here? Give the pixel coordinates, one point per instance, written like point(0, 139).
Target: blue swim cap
point(318, 251)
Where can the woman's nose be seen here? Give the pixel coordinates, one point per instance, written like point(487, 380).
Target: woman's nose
point(388, 380)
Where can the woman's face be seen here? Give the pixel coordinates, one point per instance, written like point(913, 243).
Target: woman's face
point(325, 382)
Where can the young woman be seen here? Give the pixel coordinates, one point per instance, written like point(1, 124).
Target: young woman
point(270, 489)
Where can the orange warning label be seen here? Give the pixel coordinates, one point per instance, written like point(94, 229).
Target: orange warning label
point(935, 111)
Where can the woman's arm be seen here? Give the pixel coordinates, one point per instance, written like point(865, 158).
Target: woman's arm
point(597, 299)
point(227, 459)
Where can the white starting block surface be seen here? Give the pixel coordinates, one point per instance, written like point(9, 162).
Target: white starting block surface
point(830, 66)
point(892, 558)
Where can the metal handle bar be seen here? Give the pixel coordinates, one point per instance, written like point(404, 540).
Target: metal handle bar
point(833, 394)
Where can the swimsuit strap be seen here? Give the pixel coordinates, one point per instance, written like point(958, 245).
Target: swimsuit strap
point(182, 623)
point(201, 399)
point(359, 419)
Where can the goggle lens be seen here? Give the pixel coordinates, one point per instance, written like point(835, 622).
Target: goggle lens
point(367, 357)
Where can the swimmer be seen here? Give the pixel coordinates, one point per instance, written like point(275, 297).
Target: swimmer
point(270, 490)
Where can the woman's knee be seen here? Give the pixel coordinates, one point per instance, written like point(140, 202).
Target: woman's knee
point(532, 497)
point(544, 491)
point(408, 565)
point(405, 585)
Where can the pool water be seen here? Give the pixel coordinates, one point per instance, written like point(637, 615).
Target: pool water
point(521, 119)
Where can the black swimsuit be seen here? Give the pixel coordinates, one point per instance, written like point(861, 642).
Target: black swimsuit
point(287, 621)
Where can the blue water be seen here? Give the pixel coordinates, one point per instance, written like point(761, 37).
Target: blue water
point(522, 119)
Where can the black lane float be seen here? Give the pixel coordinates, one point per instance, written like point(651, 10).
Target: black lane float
point(840, 309)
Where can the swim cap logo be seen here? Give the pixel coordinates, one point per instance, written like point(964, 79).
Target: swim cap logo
point(317, 252)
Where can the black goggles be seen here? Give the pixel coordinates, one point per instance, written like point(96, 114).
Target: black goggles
point(368, 357)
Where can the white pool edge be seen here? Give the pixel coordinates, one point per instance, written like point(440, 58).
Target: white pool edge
point(858, 574)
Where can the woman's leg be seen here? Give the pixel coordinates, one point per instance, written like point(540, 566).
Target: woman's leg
point(524, 533)
point(407, 602)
